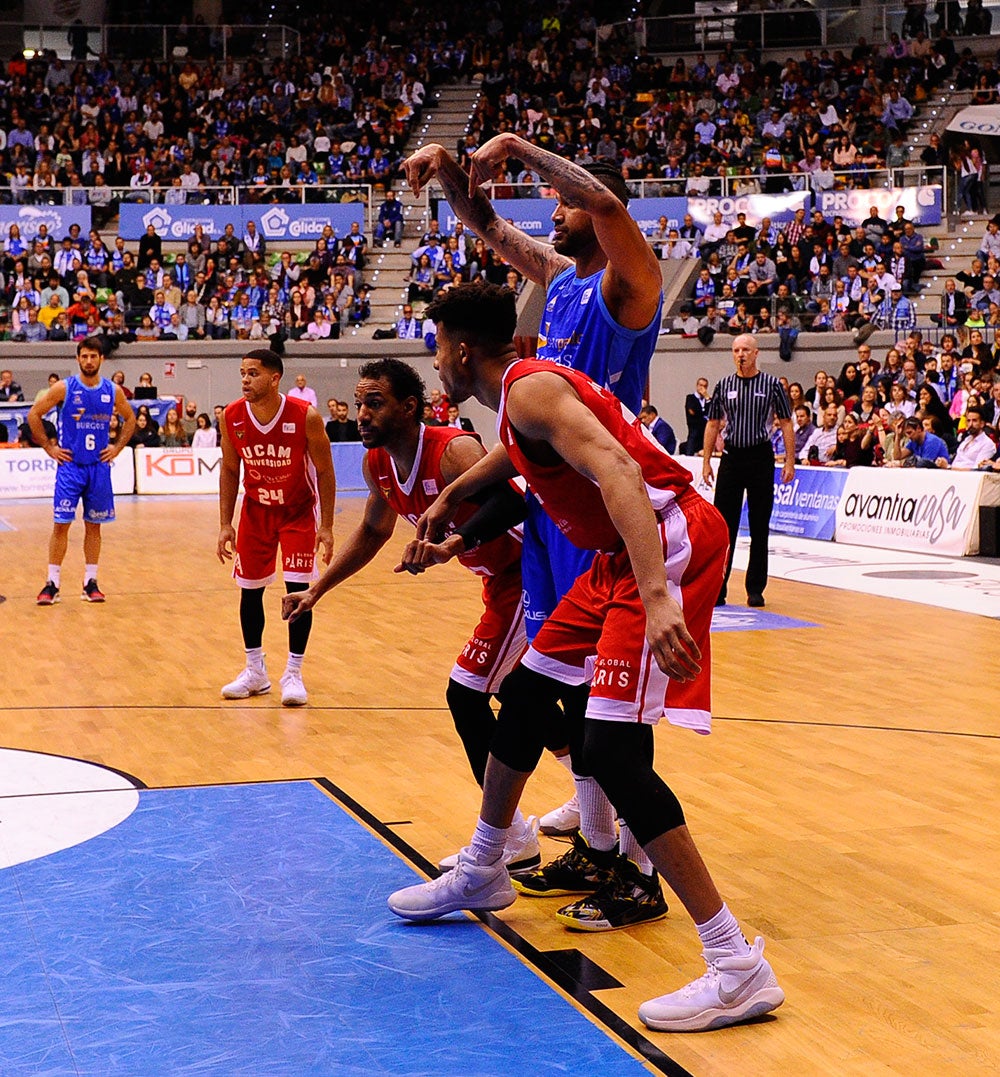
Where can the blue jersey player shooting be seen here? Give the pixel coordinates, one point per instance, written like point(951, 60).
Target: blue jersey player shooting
point(83, 454)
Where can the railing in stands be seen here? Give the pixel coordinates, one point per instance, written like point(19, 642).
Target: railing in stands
point(797, 24)
point(129, 41)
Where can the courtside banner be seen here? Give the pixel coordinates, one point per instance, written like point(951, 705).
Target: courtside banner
point(926, 510)
point(32, 473)
point(177, 471)
point(806, 506)
point(275, 223)
point(921, 205)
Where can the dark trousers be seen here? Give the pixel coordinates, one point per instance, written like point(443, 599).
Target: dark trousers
point(749, 471)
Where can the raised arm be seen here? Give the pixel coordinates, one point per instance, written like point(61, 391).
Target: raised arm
point(633, 283)
point(533, 259)
point(548, 410)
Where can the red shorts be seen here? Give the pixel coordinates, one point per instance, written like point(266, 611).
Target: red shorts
point(498, 641)
point(261, 530)
point(597, 633)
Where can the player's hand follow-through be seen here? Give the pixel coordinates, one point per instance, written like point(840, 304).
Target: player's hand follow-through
point(706, 472)
point(673, 647)
point(295, 604)
point(421, 167)
point(487, 163)
point(226, 544)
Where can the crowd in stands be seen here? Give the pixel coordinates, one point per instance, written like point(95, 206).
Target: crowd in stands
point(922, 406)
point(228, 288)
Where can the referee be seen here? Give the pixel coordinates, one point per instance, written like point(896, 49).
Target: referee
point(748, 400)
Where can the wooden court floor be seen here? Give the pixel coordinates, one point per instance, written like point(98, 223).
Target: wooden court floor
point(846, 801)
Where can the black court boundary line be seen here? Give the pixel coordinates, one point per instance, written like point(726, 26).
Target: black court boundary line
point(866, 726)
point(533, 956)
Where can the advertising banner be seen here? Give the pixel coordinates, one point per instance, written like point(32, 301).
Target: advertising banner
point(276, 223)
point(920, 509)
point(976, 120)
point(646, 212)
point(532, 215)
point(806, 506)
point(32, 473)
point(778, 207)
point(922, 205)
point(177, 471)
point(56, 219)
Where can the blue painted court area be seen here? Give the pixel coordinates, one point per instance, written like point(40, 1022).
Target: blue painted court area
point(244, 930)
point(746, 619)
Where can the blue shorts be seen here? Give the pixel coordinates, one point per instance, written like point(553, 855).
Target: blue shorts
point(92, 482)
point(550, 565)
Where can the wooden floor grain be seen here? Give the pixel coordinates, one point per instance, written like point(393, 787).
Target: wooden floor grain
point(846, 801)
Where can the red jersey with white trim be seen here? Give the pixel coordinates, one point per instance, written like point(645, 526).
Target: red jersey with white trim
point(412, 498)
point(572, 500)
point(277, 469)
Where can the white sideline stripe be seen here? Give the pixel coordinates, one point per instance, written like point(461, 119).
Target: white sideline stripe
point(849, 568)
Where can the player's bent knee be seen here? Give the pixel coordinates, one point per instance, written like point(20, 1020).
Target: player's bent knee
point(529, 719)
point(470, 710)
point(620, 758)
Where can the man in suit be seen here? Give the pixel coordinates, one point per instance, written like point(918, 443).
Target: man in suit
point(694, 411)
point(459, 421)
point(659, 428)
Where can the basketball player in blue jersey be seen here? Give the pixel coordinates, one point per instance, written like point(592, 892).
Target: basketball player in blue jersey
point(604, 296)
point(84, 456)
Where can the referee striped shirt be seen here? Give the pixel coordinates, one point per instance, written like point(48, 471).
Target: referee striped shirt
point(748, 406)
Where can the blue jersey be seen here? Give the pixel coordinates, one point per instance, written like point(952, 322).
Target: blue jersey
point(86, 419)
point(578, 330)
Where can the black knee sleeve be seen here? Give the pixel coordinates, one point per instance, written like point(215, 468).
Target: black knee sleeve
point(620, 757)
point(299, 629)
point(529, 719)
point(475, 724)
point(573, 698)
point(252, 616)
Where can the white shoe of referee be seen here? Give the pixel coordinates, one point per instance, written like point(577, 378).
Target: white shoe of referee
point(520, 852)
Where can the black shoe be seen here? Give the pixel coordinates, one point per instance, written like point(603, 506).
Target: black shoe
point(628, 898)
point(720, 601)
point(581, 870)
point(755, 600)
point(48, 595)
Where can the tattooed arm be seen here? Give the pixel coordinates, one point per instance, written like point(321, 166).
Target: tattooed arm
point(632, 284)
point(533, 259)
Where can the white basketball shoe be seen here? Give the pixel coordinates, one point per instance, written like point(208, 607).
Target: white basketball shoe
point(253, 681)
point(471, 886)
point(520, 852)
point(293, 691)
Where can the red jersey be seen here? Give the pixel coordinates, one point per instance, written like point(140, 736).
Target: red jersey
point(277, 469)
point(573, 501)
point(412, 498)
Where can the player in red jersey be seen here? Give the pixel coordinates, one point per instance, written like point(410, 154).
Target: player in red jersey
point(644, 610)
point(282, 446)
point(407, 465)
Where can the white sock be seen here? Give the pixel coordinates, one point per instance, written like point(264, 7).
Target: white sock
point(597, 817)
point(630, 848)
point(255, 657)
point(487, 843)
point(517, 823)
point(294, 662)
point(89, 573)
point(55, 571)
point(723, 932)
point(566, 761)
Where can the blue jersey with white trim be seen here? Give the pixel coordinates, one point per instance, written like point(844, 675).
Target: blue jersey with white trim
point(86, 419)
point(578, 331)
